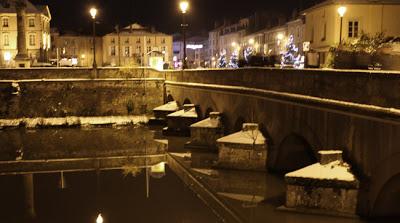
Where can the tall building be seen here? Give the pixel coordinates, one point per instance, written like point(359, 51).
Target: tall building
point(136, 45)
point(37, 30)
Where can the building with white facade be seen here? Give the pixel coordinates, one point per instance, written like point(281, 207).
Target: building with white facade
point(361, 16)
point(37, 30)
point(136, 45)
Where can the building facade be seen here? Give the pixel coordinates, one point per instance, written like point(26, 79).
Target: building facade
point(136, 45)
point(79, 48)
point(197, 52)
point(37, 28)
point(361, 16)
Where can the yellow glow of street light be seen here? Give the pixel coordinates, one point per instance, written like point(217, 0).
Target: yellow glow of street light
point(234, 44)
point(99, 219)
point(251, 41)
point(342, 10)
point(184, 5)
point(279, 36)
point(93, 12)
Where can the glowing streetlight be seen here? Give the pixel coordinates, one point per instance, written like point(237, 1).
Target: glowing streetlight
point(184, 6)
point(234, 44)
point(341, 10)
point(99, 219)
point(93, 13)
point(279, 36)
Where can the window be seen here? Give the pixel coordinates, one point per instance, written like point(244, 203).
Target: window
point(148, 40)
point(127, 51)
point(148, 49)
point(163, 49)
point(324, 33)
point(127, 41)
point(31, 22)
point(5, 22)
point(112, 51)
point(138, 40)
point(6, 40)
point(112, 41)
point(138, 49)
point(163, 41)
point(353, 29)
point(32, 39)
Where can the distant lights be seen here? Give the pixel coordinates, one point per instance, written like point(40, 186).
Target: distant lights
point(194, 46)
point(93, 12)
point(251, 41)
point(184, 5)
point(99, 219)
point(7, 56)
point(279, 36)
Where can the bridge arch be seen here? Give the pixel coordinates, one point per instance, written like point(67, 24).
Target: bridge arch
point(170, 98)
point(385, 187)
point(293, 152)
point(187, 101)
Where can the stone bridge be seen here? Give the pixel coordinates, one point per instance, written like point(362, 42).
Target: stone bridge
point(303, 111)
point(300, 111)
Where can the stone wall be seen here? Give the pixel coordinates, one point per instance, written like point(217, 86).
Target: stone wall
point(365, 87)
point(72, 92)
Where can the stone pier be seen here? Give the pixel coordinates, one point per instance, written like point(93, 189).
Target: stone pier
point(245, 150)
point(326, 187)
point(178, 123)
point(204, 134)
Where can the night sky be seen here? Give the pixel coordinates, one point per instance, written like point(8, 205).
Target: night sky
point(163, 14)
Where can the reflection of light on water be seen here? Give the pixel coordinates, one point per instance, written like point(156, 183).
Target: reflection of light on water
point(158, 170)
point(99, 219)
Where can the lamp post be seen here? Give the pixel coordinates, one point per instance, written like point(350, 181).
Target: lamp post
point(184, 5)
point(341, 11)
point(93, 13)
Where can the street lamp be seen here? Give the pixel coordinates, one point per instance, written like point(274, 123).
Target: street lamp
point(99, 219)
point(341, 10)
point(93, 13)
point(184, 6)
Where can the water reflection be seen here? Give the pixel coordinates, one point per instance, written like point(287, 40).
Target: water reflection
point(117, 196)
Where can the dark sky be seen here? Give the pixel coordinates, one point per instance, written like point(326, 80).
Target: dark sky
point(163, 14)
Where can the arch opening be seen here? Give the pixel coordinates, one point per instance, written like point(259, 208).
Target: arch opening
point(388, 200)
point(294, 152)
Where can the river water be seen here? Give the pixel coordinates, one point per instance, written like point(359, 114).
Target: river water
point(73, 174)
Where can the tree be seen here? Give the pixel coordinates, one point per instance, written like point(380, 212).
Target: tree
point(248, 52)
point(233, 62)
point(222, 59)
point(290, 57)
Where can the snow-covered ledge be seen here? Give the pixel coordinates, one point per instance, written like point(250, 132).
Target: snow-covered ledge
point(204, 134)
point(161, 112)
point(327, 187)
point(246, 149)
point(178, 122)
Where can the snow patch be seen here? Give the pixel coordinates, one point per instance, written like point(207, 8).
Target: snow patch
point(170, 106)
point(335, 170)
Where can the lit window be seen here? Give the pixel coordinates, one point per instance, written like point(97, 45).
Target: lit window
point(353, 29)
point(32, 40)
point(31, 22)
point(138, 49)
point(127, 51)
point(5, 22)
point(6, 40)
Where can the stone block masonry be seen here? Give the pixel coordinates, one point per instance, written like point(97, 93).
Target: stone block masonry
point(28, 93)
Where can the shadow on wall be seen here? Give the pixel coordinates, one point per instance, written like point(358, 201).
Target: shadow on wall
point(207, 113)
point(293, 153)
point(170, 98)
point(388, 201)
